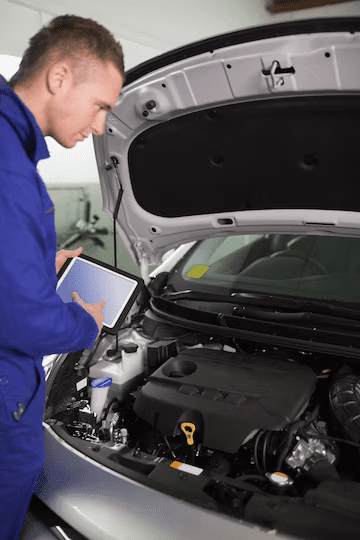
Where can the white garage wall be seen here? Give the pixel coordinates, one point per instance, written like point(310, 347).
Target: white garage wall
point(159, 24)
point(17, 24)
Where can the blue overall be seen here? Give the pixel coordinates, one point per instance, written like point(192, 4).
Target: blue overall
point(33, 319)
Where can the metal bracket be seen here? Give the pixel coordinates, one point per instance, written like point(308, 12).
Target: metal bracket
point(276, 74)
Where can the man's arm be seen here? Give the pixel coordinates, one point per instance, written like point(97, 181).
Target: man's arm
point(34, 318)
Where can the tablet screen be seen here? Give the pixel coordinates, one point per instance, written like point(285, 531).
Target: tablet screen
point(95, 281)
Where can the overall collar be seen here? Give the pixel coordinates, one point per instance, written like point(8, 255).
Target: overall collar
point(24, 123)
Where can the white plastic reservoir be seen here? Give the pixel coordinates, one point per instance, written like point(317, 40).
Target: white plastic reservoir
point(125, 370)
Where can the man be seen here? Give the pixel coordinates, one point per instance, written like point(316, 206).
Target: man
point(70, 76)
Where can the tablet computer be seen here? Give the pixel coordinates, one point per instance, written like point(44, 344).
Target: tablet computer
point(95, 281)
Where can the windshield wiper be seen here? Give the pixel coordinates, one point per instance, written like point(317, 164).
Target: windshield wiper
point(234, 298)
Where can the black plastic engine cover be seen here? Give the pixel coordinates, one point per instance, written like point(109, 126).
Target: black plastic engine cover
point(225, 395)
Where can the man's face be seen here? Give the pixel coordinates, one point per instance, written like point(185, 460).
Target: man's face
point(79, 108)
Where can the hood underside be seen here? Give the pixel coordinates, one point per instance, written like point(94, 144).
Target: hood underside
point(247, 132)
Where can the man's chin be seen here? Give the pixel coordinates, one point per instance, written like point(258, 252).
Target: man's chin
point(67, 143)
point(72, 142)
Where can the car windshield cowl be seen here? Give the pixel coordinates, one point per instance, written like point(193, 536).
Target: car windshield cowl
point(280, 305)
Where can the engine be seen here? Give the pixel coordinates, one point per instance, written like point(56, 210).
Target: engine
point(261, 415)
point(224, 399)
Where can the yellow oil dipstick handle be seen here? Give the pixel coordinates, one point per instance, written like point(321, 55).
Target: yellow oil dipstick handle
point(189, 429)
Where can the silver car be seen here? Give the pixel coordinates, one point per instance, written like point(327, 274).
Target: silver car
point(232, 167)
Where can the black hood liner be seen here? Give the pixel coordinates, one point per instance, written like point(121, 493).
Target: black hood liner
point(298, 152)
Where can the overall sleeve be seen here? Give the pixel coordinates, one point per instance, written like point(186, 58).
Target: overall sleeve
point(34, 320)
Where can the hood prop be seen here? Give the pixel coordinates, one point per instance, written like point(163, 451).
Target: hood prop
point(115, 214)
point(117, 204)
point(144, 266)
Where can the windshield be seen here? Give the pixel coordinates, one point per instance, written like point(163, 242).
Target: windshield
point(317, 267)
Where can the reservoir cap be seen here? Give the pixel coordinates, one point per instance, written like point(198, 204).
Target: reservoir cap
point(104, 382)
point(130, 348)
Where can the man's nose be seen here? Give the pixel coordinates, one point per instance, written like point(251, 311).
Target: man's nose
point(97, 127)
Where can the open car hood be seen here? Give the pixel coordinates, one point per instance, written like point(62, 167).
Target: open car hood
point(250, 131)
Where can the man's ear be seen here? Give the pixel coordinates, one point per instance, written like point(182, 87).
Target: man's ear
point(58, 77)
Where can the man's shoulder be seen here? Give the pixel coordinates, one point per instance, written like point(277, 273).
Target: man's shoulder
point(14, 161)
point(13, 155)
point(8, 131)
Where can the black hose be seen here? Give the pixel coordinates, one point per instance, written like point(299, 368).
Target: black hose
point(108, 407)
point(265, 444)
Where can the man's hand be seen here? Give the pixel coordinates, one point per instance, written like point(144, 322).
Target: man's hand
point(63, 255)
point(95, 310)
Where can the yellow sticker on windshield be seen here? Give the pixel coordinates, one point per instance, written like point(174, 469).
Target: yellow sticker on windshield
point(198, 271)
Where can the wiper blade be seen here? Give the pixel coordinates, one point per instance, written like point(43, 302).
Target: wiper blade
point(237, 298)
point(194, 295)
point(232, 298)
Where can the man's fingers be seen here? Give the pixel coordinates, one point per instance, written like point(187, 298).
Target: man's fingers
point(76, 298)
point(73, 253)
point(95, 310)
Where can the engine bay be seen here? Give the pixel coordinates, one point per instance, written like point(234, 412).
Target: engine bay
point(251, 427)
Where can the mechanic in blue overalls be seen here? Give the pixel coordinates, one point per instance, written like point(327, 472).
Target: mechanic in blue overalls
point(70, 75)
